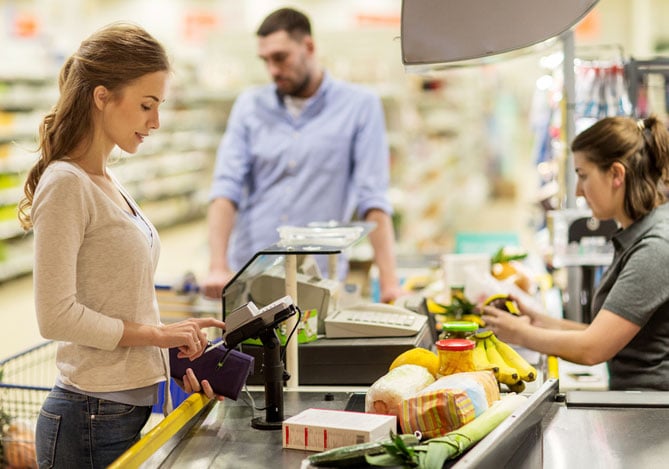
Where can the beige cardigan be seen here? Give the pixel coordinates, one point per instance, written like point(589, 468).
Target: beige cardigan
point(94, 267)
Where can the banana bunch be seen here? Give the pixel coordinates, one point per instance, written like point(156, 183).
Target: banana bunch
point(502, 301)
point(509, 367)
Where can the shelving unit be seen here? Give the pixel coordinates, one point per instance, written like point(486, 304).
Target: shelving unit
point(447, 171)
point(169, 176)
point(21, 101)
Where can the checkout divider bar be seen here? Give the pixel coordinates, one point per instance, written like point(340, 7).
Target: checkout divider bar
point(150, 443)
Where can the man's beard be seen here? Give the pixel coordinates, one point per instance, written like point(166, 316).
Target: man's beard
point(297, 90)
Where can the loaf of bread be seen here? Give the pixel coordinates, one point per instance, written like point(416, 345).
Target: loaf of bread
point(481, 386)
point(448, 403)
point(387, 393)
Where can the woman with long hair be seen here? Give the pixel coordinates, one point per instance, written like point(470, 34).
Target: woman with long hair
point(96, 253)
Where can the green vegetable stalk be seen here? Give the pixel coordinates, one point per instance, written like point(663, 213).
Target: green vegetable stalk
point(354, 455)
point(433, 453)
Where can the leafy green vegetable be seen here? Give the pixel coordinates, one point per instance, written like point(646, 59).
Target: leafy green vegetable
point(355, 455)
point(397, 454)
point(459, 307)
point(502, 256)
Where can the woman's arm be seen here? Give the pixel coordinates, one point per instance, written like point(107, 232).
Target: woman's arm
point(189, 335)
point(539, 319)
point(601, 340)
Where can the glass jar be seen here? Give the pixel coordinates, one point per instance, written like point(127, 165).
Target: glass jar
point(455, 356)
point(458, 329)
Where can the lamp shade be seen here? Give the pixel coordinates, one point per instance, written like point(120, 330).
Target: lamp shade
point(444, 31)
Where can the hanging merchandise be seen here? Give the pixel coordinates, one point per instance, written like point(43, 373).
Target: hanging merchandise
point(600, 90)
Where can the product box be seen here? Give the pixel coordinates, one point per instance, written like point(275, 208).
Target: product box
point(321, 429)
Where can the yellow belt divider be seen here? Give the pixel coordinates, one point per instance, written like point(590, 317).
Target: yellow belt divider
point(138, 453)
point(552, 365)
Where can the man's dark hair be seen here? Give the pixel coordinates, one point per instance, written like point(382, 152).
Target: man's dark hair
point(294, 22)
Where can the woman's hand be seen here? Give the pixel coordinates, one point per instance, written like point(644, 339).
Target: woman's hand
point(527, 308)
point(191, 385)
point(189, 336)
point(508, 327)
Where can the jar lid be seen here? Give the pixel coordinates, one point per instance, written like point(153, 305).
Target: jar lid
point(455, 345)
point(460, 326)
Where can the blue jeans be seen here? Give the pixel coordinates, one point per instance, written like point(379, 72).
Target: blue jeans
point(74, 430)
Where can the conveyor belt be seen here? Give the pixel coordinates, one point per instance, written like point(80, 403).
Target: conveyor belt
point(616, 430)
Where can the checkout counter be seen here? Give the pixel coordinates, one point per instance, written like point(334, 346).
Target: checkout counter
point(556, 428)
point(569, 420)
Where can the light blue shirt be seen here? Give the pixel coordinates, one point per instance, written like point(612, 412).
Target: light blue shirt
point(323, 165)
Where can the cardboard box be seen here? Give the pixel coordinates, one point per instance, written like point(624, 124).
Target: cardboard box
point(322, 429)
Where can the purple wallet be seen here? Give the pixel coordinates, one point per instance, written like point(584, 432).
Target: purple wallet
point(227, 377)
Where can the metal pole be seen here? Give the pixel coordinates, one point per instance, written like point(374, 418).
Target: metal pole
point(570, 105)
point(573, 304)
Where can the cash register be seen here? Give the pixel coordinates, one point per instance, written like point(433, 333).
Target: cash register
point(362, 341)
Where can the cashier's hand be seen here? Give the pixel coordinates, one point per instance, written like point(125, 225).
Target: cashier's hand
point(506, 326)
point(191, 385)
point(528, 308)
point(216, 280)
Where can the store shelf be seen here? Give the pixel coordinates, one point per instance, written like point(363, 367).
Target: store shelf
point(18, 261)
point(169, 177)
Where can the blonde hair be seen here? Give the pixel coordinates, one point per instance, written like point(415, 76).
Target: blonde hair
point(113, 57)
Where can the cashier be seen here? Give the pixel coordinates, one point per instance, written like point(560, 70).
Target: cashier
point(622, 165)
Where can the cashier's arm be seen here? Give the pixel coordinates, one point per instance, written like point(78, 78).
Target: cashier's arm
point(598, 342)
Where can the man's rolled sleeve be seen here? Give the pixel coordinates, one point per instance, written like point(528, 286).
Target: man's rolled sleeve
point(371, 155)
point(232, 159)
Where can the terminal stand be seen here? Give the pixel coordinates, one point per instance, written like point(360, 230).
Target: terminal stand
point(274, 377)
point(313, 240)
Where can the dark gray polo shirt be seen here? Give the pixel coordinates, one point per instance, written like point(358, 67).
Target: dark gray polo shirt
point(636, 287)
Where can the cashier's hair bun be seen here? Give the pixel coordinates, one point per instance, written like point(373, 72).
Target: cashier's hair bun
point(113, 57)
point(641, 146)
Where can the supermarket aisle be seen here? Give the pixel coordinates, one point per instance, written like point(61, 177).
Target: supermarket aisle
point(184, 248)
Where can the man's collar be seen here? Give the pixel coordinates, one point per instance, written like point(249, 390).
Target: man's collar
point(326, 83)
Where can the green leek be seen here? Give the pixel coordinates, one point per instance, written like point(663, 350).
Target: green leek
point(433, 453)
